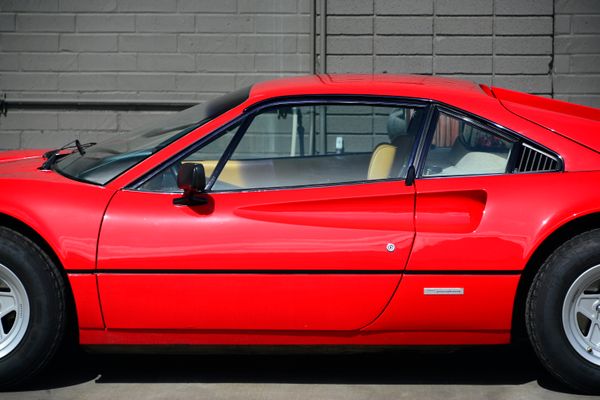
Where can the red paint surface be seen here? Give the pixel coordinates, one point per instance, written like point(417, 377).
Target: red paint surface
point(244, 301)
point(485, 306)
point(579, 123)
point(329, 228)
point(520, 211)
point(65, 213)
point(85, 291)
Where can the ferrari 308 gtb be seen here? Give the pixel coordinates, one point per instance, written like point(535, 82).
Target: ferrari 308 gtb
point(319, 210)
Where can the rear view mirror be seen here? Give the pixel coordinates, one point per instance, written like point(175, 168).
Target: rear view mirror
point(192, 180)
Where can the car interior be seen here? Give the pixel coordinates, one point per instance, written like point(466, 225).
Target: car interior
point(386, 160)
point(461, 148)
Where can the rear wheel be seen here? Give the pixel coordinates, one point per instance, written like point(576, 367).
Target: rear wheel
point(563, 312)
point(32, 308)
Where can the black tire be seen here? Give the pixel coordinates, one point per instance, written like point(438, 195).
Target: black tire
point(544, 312)
point(45, 291)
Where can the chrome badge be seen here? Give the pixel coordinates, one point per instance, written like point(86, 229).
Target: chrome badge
point(444, 291)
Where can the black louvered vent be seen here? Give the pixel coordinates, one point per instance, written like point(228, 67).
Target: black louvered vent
point(534, 160)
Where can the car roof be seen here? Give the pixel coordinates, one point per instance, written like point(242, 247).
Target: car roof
point(447, 90)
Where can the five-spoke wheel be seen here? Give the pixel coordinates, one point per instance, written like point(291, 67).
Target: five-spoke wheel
point(563, 312)
point(32, 308)
point(581, 315)
point(14, 311)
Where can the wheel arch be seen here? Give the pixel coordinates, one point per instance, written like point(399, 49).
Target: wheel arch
point(565, 232)
point(31, 234)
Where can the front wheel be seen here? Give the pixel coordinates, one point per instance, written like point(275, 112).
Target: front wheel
point(32, 308)
point(563, 313)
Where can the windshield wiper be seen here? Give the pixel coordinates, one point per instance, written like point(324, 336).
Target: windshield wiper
point(52, 155)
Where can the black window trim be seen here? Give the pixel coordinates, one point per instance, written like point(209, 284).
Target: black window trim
point(250, 112)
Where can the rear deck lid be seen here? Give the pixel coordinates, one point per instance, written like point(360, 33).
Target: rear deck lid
point(576, 122)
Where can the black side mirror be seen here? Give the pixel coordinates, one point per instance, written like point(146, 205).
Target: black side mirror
point(192, 180)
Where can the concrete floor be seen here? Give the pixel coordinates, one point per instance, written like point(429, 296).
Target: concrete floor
point(470, 373)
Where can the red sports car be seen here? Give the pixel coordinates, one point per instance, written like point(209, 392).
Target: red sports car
point(320, 210)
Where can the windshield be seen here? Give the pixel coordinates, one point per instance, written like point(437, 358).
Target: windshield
point(107, 160)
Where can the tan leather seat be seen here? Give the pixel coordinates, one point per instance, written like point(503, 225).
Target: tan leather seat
point(386, 155)
point(232, 173)
point(382, 161)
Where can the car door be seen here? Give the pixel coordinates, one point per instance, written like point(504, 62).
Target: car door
point(308, 224)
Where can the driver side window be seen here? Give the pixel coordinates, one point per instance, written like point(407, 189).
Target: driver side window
point(303, 145)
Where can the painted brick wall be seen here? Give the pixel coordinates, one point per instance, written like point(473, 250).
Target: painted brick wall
point(172, 50)
point(190, 50)
point(577, 51)
point(502, 42)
